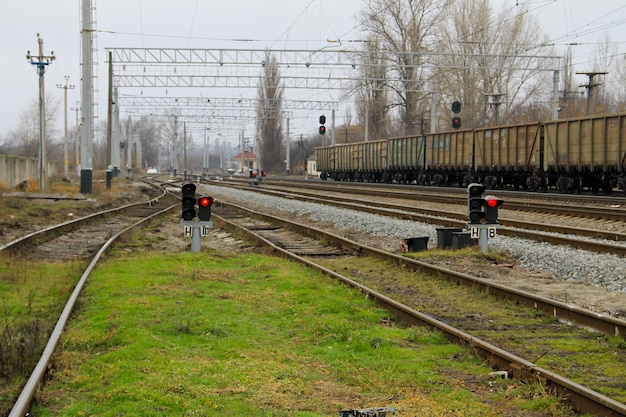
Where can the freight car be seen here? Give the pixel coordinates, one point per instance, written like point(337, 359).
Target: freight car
point(568, 155)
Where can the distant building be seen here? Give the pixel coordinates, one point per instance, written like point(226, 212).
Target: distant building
point(311, 166)
point(249, 161)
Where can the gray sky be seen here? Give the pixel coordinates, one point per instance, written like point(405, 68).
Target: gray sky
point(289, 24)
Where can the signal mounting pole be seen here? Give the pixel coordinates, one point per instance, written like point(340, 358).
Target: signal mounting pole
point(41, 61)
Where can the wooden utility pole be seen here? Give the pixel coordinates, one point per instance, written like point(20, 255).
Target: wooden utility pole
point(41, 61)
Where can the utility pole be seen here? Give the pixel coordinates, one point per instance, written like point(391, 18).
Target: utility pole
point(495, 97)
point(185, 149)
point(205, 153)
point(87, 99)
point(41, 61)
point(77, 138)
point(110, 104)
point(66, 161)
point(590, 86)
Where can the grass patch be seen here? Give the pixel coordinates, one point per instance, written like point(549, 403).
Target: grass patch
point(32, 296)
point(242, 335)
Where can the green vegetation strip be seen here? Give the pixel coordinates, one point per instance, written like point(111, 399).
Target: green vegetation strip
point(32, 296)
point(248, 335)
point(589, 358)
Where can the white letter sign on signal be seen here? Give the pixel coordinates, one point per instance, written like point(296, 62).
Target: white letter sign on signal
point(188, 231)
point(474, 232)
point(205, 231)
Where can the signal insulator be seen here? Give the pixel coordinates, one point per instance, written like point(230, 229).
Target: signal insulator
point(204, 208)
point(188, 201)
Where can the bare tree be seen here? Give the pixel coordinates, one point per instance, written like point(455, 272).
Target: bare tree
point(24, 140)
point(405, 31)
point(485, 60)
point(618, 82)
point(269, 116)
point(372, 92)
point(607, 98)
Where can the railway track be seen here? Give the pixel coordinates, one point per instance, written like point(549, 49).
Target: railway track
point(81, 238)
point(585, 206)
point(504, 344)
point(319, 250)
point(554, 233)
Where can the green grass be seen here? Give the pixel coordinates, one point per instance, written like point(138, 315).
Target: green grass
point(214, 334)
point(32, 295)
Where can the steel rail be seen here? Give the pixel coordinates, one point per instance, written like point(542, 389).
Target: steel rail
point(76, 223)
point(452, 219)
point(459, 196)
point(582, 398)
point(438, 213)
point(557, 309)
point(22, 404)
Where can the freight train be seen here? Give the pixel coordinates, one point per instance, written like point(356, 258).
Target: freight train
point(567, 155)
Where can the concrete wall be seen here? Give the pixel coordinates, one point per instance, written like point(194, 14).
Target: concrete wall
point(16, 169)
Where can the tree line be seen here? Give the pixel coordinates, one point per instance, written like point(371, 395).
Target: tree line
point(415, 56)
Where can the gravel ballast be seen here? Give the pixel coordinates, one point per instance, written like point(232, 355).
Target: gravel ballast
point(600, 270)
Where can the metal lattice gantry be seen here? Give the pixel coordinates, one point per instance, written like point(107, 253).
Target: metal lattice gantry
point(159, 82)
point(327, 72)
point(235, 68)
point(329, 69)
point(205, 110)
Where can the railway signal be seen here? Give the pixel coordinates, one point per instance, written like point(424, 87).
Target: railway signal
point(322, 129)
point(189, 201)
point(191, 227)
point(491, 208)
point(456, 120)
point(204, 208)
point(475, 203)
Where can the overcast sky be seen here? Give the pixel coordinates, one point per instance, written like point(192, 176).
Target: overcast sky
point(244, 24)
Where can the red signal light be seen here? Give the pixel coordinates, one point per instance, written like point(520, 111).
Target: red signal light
point(204, 208)
point(491, 208)
point(205, 201)
point(322, 130)
point(493, 201)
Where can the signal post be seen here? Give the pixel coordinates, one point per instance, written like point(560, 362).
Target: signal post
point(195, 229)
point(482, 215)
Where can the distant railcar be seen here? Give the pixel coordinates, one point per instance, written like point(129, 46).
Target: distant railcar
point(567, 155)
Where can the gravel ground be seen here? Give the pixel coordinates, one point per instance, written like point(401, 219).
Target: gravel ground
point(556, 262)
